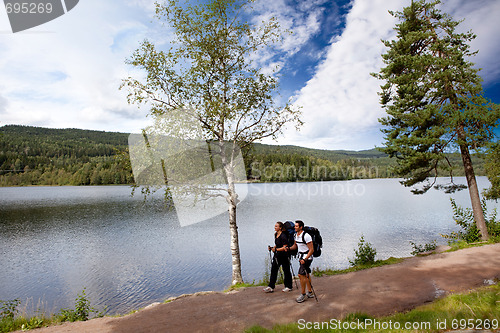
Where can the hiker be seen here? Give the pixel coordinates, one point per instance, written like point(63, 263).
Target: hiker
point(304, 244)
point(280, 258)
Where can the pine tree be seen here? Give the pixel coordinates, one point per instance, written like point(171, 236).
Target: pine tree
point(434, 101)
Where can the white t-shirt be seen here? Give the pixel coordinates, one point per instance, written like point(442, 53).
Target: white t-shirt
point(302, 247)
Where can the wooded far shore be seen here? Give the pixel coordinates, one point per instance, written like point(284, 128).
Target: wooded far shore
point(44, 156)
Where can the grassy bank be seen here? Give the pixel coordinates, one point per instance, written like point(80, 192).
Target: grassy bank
point(479, 307)
point(12, 320)
point(478, 310)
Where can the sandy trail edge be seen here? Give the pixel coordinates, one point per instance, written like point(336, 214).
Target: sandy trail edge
point(377, 291)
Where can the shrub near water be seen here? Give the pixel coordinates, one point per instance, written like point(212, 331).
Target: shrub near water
point(469, 232)
point(81, 312)
point(417, 249)
point(10, 320)
point(364, 255)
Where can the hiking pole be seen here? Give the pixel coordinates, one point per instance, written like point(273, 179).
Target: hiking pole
point(270, 262)
point(279, 274)
point(293, 273)
point(314, 293)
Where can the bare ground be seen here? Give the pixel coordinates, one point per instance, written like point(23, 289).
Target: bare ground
point(377, 291)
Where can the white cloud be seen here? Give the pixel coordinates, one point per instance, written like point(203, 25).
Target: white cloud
point(66, 73)
point(480, 16)
point(3, 104)
point(340, 103)
point(303, 21)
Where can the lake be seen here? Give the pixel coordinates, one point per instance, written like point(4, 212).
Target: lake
point(128, 253)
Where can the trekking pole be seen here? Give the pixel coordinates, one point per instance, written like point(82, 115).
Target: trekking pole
point(270, 262)
point(293, 273)
point(314, 293)
point(280, 269)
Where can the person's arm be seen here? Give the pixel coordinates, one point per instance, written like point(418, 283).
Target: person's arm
point(280, 249)
point(284, 246)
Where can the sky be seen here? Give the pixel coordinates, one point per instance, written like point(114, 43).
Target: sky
point(66, 73)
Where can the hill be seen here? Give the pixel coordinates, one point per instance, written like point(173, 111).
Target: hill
point(43, 156)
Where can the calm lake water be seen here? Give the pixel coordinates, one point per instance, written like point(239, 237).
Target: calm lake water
point(127, 253)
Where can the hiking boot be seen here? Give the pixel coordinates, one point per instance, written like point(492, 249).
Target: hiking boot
point(310, 294)
point(301, 298)
point(286, 289)
point(268, 289)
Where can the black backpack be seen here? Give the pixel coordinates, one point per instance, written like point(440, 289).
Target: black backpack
point(312, 231)
point(290, 235)
point(316, 239)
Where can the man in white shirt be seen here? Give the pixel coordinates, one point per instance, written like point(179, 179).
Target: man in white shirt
point(303, 242)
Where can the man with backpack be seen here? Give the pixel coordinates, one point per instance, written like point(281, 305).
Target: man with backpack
point(304, 244)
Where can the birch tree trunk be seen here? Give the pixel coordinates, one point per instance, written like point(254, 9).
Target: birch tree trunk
point(235, 247)
point(232, 200)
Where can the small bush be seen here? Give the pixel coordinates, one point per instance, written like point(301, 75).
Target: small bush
point(464, 218)
point(11, 320)
point(81, 312)
point(417, 249)
point(364, 255)
point(34, 322)
point(8, 309)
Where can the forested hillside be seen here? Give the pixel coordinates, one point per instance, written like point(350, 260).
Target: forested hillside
point(42, 156)
point(291, 163)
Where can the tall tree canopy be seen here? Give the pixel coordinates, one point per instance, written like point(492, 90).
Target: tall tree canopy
point(434, 100)
point(208, 76)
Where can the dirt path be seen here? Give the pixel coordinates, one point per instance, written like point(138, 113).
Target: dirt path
point(378, 291)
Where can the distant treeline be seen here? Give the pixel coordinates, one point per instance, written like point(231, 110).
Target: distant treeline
point(42, 156)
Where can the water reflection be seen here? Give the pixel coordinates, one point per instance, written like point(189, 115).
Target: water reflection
point(54, 241)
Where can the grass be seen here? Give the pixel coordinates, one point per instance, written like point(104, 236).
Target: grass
point(461, 244)
point(11, 320)
point(478, 309)
point(11, 323)
point(378, 263)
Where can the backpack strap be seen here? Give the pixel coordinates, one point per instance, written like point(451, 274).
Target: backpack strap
point(303, 235)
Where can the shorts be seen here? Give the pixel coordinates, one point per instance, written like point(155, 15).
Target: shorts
point(305, 268)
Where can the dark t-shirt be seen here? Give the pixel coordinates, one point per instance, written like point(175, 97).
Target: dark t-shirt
point(281, 241)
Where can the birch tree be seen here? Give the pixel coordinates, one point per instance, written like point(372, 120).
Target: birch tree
point(208, 76)
point(434, 101)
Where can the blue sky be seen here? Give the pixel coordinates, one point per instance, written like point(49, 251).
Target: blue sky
point(66, 73)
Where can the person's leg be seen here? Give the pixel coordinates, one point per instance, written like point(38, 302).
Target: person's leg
point(308, 282)
point(274, 273)
point(303, 282)
point(285, 265)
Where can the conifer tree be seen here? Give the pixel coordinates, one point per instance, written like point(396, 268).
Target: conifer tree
point(434, 101)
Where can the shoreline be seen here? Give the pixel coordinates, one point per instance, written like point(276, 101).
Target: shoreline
point(378, 292)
